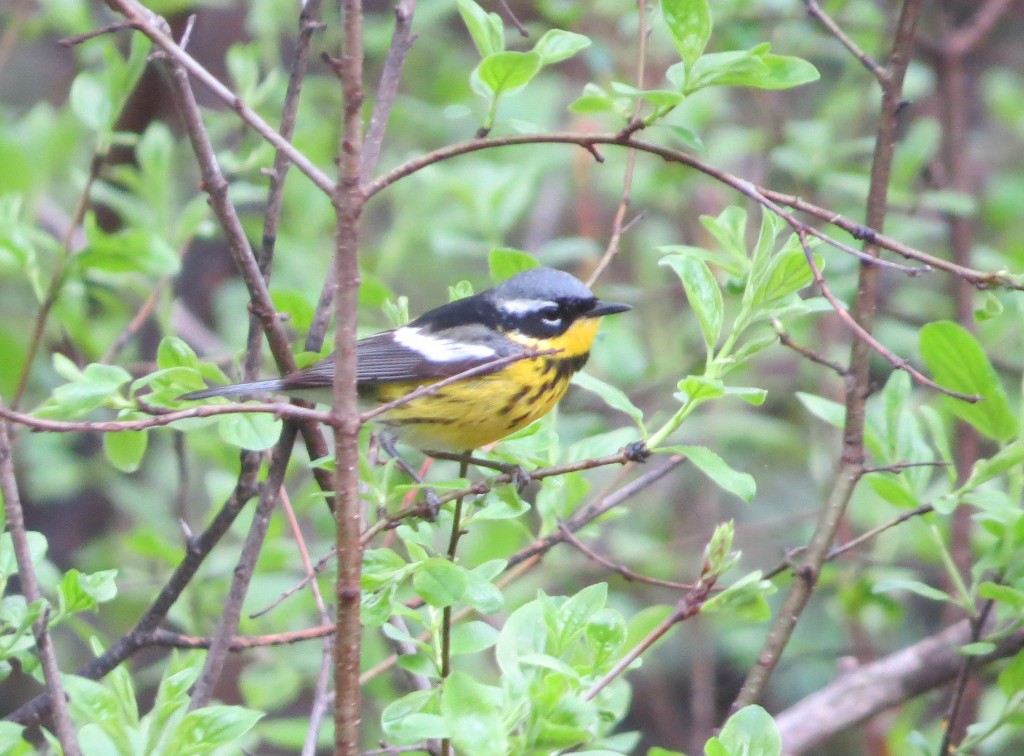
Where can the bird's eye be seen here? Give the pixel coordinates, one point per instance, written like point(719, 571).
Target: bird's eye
point(550, 316)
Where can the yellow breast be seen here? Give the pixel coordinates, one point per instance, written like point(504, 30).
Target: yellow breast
point(475, 412)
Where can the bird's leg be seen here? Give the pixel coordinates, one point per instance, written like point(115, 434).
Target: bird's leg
point(520, 475)
point(387, 443)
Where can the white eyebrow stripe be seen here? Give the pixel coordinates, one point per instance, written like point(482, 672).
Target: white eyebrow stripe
point(523, 306)
point(437, 349)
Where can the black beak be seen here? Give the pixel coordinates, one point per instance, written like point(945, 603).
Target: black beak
point(600, 309)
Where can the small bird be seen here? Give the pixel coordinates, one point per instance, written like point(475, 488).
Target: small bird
point(541, 310)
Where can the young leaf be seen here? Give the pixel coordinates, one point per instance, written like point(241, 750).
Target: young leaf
point(957, 361)
point(557, 45)
point(473, 712)
point(252, 430)
point(439, 582)
point(751, 731)
point(485, 28)
point(739, 483)
point(689, 23)
point(506, 72)
point(703, 293)
point(125, 450)
point(505, 263)
point(612, 396)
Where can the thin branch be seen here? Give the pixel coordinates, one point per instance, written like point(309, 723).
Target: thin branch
point(618, 224)
point(688, 606)
point(786, 340)
point(162, 638)
point(278, 409)
point(15, 517)
point(241, 576)
point(619, 569)
point(761, 195)
point(851, 463)
point(815, 11)
point(853, 542)
point(155, 28)
point(967, 664)
point(862, 332)
point(402, 39)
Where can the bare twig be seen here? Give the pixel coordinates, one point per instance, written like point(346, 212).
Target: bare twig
point(278, 409)
point(202, 691)
point(15, 516)
point(786, 340)
point(402, 39)
point(618, 224)
point(152, 26)
point(619, 569)
point(815, 11)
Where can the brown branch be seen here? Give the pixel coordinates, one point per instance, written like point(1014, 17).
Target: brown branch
point(278, 409)
point(894, 679)
point(618, 224)
point(15, 517)
point(861, 332)
point(241, 576)
point(851, 463)
point(168, 639)
point(786, 340)
point(761, 195)
point(619, 569)
point(348, 200)
point(853, 542)
point(155, 28)
point(815, 11)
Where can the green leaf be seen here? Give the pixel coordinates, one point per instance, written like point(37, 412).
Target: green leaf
point(689, 23)
point(557, 45)
point(735, 482)
point(126, 449)
point(79, 592)
point(254, 431)
point(507, 72)
point(985, 470)
point(174, 352)
point(891, 585)
point(473, 713)
point(695, 389)
point(413, 718)
point(751, 731)
point(958, 362)
point(787, 273)
point(1011, 679)
point(612, 396)
point(203, 730)
point(751, 68)
point(505, 263)
point(1004, 594)
point(92, 389)
point(472, 637)
point(831, 412)
point(91, 103)
point(703, 293)
point(486, 29)
point(439, 582)
point(11, 741)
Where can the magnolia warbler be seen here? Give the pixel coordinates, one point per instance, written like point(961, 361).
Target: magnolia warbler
point(540, 310)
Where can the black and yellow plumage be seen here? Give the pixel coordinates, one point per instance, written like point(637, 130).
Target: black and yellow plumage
point(537, 310)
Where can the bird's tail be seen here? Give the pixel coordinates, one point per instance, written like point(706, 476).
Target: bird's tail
point(256, 387)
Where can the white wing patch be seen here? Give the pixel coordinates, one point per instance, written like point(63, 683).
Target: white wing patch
point(523, 306)
point(437, 349)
